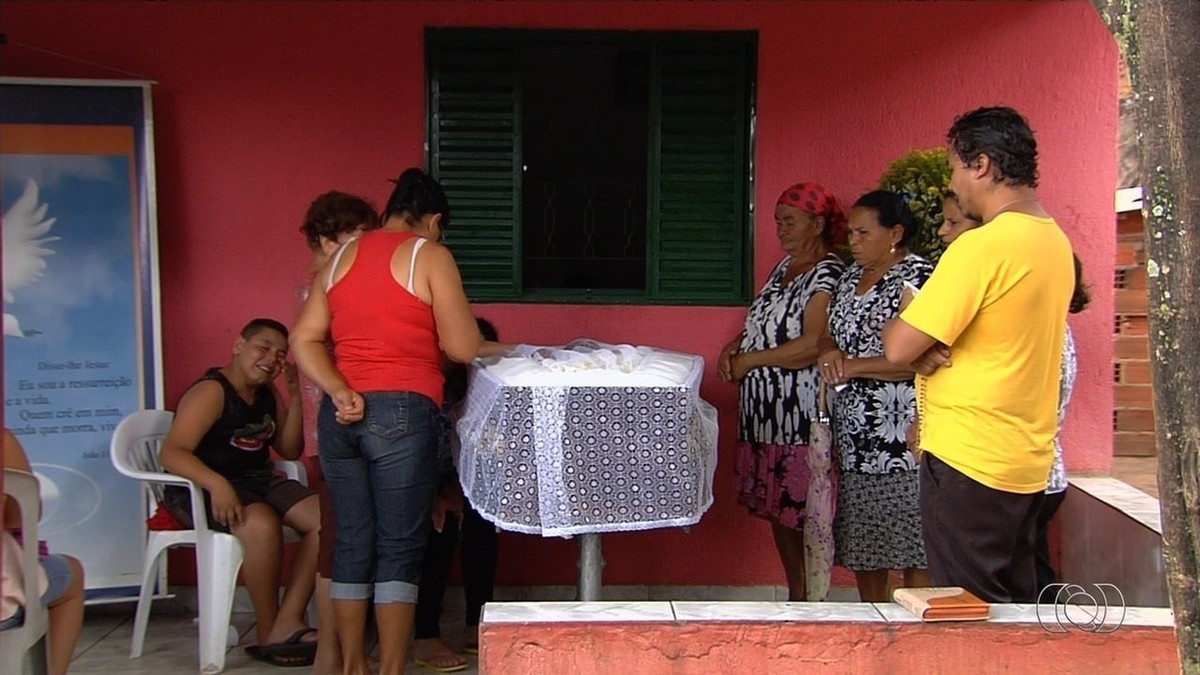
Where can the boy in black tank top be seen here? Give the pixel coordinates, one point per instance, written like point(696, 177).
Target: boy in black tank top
point(220, 439)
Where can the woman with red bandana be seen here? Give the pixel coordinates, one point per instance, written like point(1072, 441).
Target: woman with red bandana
point(773, 363)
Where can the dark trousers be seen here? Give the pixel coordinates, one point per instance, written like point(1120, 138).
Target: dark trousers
point(1045, 571)
point(977, 537)
point(479, 547)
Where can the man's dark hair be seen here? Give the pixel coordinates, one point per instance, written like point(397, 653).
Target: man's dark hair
point(1004, 136)
point(257, 325)
point(335, 213)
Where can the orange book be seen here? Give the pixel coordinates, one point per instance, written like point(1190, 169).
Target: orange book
point(942, 603)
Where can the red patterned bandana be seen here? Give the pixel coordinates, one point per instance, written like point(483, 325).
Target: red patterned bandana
point(813, 198)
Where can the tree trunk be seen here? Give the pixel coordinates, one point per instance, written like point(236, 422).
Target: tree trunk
point(1159, 38)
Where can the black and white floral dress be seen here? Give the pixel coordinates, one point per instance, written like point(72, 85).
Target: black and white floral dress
point(878, 523)
point(776, 405)
point(1066, 385)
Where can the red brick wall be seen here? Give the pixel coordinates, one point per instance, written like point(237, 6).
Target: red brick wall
point(1133, 414)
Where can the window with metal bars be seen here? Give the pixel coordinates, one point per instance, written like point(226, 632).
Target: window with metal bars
point(595, 166)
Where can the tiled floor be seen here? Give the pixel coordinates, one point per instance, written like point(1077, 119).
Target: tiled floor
point(171, 644)
point(171, 640)
point(1140, 472)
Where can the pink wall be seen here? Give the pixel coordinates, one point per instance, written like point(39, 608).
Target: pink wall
point(261, 106)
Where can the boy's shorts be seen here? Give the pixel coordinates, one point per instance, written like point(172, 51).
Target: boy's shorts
point(280, 493)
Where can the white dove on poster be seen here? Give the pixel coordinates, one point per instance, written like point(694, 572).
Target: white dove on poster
point(25, 226)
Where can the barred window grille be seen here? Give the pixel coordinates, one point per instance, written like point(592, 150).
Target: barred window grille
point(555, 199)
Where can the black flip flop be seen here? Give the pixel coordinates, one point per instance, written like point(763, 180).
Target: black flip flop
point(291, 653)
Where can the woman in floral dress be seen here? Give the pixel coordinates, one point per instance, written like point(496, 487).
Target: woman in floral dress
point(773, 363)
point(878, 523)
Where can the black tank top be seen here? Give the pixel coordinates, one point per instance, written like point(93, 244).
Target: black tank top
point(238, 444)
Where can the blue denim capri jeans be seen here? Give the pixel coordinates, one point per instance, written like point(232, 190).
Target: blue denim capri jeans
point(382, 474)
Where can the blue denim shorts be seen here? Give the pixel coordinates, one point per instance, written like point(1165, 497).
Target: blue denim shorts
point(58, 578)
point(382, 474)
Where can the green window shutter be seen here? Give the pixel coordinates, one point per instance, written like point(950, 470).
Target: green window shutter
point(699, 219)
point(475, 153)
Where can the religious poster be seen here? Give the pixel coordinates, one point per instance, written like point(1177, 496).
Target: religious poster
point(80, 317)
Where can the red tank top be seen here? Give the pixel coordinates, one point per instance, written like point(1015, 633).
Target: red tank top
point(384, 338)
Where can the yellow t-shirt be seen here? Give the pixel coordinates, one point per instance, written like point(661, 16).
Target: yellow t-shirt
point(999, 299)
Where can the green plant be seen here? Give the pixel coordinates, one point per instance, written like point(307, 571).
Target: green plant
point(923, 177)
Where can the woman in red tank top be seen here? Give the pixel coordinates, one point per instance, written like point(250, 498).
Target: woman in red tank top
point(392, 302)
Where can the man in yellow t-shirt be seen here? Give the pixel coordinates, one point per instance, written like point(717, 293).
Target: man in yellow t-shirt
point(987, 332)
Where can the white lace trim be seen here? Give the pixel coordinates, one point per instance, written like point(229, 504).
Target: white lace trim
point(605, 456)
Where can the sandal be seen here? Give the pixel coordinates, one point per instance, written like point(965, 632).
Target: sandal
point(291, 653)
point(443, 660)
point(451, 668)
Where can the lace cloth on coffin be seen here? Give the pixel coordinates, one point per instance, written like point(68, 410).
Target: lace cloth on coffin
point(632, 449)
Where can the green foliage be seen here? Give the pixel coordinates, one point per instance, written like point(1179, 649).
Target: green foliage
point(923, 177)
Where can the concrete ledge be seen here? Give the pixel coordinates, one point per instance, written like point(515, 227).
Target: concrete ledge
point(766, 637)
point(1123, 497)
point(1111, 533)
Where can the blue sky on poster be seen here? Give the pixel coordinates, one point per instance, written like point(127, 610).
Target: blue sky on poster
point(84, 309)
point(50, 170)
point(90, 274)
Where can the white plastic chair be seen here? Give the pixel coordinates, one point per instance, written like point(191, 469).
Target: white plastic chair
point(28, 639)
point(134, 453)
